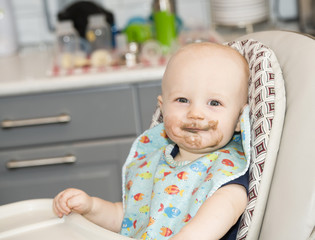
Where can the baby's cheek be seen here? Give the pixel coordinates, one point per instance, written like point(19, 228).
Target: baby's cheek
point(215, 138)
point(170, 125)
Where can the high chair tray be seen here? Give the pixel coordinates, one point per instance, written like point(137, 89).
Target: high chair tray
point(34, 219)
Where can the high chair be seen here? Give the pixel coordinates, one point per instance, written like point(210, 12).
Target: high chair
point(281, 197)
point(285, 205)
point(281, 201)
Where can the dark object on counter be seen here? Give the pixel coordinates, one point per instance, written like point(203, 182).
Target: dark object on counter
point(79, 12)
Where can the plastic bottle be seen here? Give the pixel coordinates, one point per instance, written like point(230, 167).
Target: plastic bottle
point(164, 22)
point(98, 32)
point(68, 44)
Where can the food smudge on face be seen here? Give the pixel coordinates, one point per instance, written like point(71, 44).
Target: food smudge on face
point(213, 124)
point(194, 140)
point(193, 129)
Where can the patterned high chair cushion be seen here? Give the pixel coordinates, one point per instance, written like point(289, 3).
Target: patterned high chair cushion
point(267, 109)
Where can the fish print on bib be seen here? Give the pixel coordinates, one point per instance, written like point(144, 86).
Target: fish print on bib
point(161, 196)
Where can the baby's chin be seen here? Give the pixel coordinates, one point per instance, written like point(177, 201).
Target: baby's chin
point(197, 143)
point(200, 149)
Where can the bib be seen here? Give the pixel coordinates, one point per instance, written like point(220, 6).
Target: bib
point(161, 195)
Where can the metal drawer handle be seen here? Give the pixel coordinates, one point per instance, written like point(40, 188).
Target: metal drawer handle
point(62, 118)
point(13, 164)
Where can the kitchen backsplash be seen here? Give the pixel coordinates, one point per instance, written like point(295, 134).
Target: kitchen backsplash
point(33, 27)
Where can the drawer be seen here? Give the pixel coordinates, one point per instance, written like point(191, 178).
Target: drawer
point(96, 170)
point(88, 114)
point(102, 181)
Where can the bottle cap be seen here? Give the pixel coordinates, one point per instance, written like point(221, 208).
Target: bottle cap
point(64, 27)
point(164, 5)
point(97, 19)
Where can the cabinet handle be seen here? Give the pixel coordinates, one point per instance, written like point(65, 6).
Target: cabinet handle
point(13, 164)
point(62, 118)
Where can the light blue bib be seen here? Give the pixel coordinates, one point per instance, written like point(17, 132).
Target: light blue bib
point(160, 195)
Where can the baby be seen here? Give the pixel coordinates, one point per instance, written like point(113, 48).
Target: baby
point(190, 181)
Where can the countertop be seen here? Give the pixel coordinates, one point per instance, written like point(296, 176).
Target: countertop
point(30, 72)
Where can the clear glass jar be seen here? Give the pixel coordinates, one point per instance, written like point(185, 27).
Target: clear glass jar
point(98, 32)
point(67, 43)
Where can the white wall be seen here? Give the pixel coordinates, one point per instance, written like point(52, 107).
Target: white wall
point(32, 24)
point(30, 21)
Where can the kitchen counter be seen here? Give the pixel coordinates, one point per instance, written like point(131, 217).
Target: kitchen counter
point(29, 72)
point(73, 130)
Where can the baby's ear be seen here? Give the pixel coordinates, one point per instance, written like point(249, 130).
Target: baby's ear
point(160, 101)
point(238, 125)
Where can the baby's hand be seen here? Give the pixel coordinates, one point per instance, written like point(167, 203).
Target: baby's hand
point(72, 200)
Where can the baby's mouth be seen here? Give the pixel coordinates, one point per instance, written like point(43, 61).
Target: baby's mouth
point(193, 132)
point(195, 127)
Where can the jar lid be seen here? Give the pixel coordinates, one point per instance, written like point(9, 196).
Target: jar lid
point(97, 19)
point(65, 27)
point(164, 5)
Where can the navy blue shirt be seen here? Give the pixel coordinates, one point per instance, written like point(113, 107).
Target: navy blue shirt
point(242, 180)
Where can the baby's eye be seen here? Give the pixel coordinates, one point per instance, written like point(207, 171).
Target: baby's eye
point(214, 103)
point(182, 100)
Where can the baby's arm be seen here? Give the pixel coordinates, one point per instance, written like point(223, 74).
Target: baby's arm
point(216, 215)
point(103, 213)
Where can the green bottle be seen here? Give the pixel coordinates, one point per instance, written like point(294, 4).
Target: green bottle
point(164, 22)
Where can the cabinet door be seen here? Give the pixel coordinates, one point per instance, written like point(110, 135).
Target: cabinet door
point(67, 116)
point(148, 94)
point(96, 170)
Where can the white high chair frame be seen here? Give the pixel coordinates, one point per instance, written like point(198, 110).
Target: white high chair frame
point(288, 211)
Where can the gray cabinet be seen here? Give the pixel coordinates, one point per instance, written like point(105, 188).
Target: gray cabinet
point(94, 113)
point(96, 169)
point(77, 138)
point(148, 94)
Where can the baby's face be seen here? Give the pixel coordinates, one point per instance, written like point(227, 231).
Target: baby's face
point(203, 96)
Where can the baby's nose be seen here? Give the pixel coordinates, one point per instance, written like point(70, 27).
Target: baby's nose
point(196, 113)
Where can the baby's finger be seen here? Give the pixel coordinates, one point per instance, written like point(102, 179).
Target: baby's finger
point(62, 209)
point(60, 203)
point(57, 210)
